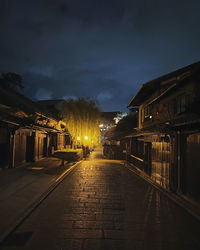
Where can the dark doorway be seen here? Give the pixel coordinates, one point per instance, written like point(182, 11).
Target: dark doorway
point(30, 146)
point(45, 147)
point(4, 147)
point(192, 169)
point(4, 155)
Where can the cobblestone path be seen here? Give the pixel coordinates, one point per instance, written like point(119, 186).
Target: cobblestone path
point(102, 205)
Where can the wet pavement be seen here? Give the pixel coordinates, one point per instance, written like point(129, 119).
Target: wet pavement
point(102, 205)
point(22, 188)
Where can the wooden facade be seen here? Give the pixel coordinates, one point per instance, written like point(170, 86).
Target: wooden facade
point(26, 134)
point(166, 145)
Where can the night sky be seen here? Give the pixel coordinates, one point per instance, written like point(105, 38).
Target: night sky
point(102, 49)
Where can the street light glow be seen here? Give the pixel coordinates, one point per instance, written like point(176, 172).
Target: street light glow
point(86, 137)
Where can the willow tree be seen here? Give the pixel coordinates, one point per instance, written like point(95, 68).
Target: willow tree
point(82, 118)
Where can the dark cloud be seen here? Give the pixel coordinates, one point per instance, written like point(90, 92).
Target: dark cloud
point(102, 49)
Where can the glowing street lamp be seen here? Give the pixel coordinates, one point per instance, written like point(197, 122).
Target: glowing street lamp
point(86, 137)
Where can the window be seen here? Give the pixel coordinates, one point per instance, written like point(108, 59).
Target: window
point(180, 104)
point(147, 113)
point(171, 108)
point(183, 103)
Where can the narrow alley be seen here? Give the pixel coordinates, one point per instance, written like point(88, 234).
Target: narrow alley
point(103, 205)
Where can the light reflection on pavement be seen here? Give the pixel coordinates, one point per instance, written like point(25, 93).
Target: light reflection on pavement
point(102, 205)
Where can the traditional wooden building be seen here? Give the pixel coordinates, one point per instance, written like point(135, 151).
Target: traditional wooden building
point(115, 139)
point(166, 145)
point(26, 133)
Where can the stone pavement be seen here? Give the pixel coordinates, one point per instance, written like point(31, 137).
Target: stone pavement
point(21, 187)
point(101, 205)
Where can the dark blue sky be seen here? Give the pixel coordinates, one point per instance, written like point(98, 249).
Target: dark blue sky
point(103, 49)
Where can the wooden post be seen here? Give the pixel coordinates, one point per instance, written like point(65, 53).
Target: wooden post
point(12, 150)
point(179, 160)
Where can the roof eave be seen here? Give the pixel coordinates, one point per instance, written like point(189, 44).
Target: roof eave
point(131, 101)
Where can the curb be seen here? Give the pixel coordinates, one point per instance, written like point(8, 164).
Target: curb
point(27, 211)
point(179, 200)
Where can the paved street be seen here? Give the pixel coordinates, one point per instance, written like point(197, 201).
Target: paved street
point(21, 188)
point(102, 205)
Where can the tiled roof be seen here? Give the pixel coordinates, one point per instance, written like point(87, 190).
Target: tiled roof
point(150, 87)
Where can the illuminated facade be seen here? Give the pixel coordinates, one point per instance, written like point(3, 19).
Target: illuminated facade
point(26, 133)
